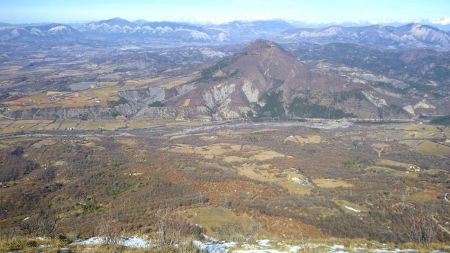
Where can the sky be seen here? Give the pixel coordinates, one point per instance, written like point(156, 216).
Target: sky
point(219, 11)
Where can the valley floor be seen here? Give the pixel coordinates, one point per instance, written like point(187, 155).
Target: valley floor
point(319, 185)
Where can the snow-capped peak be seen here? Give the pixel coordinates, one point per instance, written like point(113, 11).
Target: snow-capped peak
point(58, 29)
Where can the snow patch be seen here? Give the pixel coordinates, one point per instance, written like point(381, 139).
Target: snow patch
point(337, 249)
point(263, 243)
point(131, 242)
point(352, 209)
point(58, 29)
point(214, 247)
point(295, 249)
point(259, 251)
point(328, 32)
point(199, 35)
point(222, 37)
point(386, 250)
point(208, 52)
point(36, 31)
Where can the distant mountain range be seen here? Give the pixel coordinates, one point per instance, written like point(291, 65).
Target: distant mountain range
point(124, 31)
point(411, 35)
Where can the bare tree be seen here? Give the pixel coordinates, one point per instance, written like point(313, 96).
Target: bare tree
point(168, 236)
point(380, 148)
point(41, 224)
point(110, 229)
point(422, 227)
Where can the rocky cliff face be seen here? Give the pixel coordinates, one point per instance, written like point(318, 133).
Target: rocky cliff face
point(132, 101)
point(173, 113)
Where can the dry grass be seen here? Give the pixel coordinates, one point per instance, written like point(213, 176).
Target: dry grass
point(267, 173)
point(208, 138)
point(28, 245)
point(44, 142)
point(422, 130)
point(131, 84)
point(68, 124)
point(313, 139)
point(267, 155)
point(170, 83)
point(229, 152)
point(173, 84)
point(131, 142)
point(394, 164)
point(350, 207)
point(257, 172)
point(234, 159)
point(101, 124)
point(431, 148)
point(227, 133)
point(212, 218)
point(331, 183)
point(423, 196)
point(93, 97)
point(23, 125)
point(31, 245)
point(186, 102)
point(208, 152)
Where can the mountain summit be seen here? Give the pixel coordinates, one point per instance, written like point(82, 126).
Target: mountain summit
point(265, 80)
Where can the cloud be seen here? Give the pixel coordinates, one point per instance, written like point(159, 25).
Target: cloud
point(441, 21)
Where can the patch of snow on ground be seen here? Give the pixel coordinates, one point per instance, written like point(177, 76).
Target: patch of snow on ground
point(263, 243)
point(135, 242)
point(295, 249)
point(208, 52)
point(213, 247)
point(131, 242)
point(337, 249)
point(259, 251)
point(385, 250)
point(353, 209)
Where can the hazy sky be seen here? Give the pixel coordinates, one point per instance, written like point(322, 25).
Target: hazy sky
point(314, 11)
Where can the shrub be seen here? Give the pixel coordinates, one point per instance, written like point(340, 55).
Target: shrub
point(18, 151)
point(302, 107)
point(273, 106)
point(113, 112)
point(156, 104)
point(422, 227)
point(89, 205)
point(443, 120)
point(83, 116)
point(118, 102)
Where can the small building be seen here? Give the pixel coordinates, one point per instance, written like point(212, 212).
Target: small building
point(413, 168)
